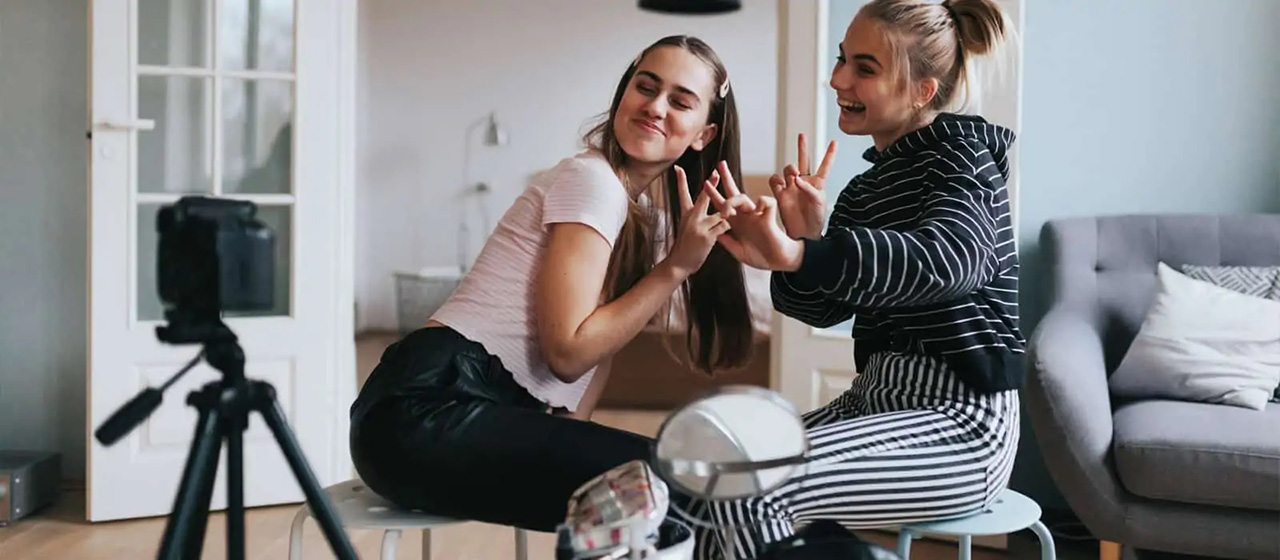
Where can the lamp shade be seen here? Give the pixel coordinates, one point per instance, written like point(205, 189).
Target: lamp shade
point(494, 135)
point(691, 6)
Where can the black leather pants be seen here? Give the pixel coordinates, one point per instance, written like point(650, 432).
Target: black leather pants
point(442, 427)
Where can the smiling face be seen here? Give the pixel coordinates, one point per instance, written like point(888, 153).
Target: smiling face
point(873, 100)
point(664, 110)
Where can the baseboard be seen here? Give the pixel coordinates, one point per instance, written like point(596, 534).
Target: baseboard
point(376, 331)
point(74, 484)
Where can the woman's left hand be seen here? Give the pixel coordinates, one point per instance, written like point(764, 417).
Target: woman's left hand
point(755, 237)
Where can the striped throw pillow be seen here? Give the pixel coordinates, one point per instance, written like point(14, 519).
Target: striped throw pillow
point(1258, 281)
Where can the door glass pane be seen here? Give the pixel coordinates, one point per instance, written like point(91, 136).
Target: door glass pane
point(277, 217)
point(849, 149)
point(848, 162)
point(257, 145)
point(149, 307)
point(256, 35)
point(280, 219)
point(172, 32)
point(175, 157)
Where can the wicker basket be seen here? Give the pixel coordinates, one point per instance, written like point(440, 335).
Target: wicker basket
point(420, 294)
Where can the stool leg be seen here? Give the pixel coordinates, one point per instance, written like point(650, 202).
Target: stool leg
point(904, 543)
point(426, 544)
point(295, 533)
point(1047, 550)
point(522, 545)
point(966, 547)
point(389, 539)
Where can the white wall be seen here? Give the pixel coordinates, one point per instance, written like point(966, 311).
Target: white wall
point(432, 67)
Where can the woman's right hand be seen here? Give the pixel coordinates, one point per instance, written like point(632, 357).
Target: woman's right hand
point(698, 229)
point(802, 202)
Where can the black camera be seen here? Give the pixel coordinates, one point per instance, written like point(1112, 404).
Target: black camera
point(214, 255)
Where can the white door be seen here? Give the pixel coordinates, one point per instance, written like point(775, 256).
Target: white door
point(244, 99)
point(811, 366)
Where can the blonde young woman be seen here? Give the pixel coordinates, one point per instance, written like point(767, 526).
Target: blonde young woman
point(919, 251)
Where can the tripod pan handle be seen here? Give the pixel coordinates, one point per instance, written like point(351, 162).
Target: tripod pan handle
point(129, 416)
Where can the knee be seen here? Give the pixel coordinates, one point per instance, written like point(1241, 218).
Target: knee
point(764, 508)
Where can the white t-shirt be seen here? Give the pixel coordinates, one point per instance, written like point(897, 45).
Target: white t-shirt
point(494, 304)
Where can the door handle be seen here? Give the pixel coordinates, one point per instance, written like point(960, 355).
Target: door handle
point(136, 124)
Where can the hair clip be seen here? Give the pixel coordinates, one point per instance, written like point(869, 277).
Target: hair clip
point(724, 88)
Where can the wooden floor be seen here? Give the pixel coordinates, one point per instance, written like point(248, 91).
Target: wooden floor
point(62, 533)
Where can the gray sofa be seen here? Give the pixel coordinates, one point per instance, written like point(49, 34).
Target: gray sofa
point(1168, 476)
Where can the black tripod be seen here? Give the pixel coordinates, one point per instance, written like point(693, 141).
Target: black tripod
point(224, 408)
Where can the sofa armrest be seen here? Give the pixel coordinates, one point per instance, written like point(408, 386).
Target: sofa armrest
point(1070, 409)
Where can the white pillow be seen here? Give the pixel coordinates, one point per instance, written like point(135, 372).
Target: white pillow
point(1203, 343)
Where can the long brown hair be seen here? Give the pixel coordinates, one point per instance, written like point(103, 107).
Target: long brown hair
point(717, 313)
point(938, 41)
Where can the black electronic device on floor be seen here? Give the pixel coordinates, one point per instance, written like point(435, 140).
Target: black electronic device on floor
point(29, 481)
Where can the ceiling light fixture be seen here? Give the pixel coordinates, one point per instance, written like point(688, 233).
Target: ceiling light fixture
point(691, 7)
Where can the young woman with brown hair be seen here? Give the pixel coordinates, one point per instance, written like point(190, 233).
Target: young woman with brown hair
point(457, 417)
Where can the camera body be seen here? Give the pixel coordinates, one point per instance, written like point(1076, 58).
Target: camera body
point(214, 255)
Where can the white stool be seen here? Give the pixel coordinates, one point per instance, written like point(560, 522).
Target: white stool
point(1010, 512)
point(361, 508)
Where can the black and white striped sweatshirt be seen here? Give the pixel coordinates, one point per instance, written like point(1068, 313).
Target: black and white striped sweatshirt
point(920, 252)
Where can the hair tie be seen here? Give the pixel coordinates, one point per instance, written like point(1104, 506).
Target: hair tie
point(951, 11)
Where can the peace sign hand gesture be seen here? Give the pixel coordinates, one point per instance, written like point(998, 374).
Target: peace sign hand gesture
point(757, 239)
point(801, 196)
point(698, 230)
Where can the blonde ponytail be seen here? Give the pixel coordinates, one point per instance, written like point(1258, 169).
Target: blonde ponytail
point(980, 25)
point(942, 41)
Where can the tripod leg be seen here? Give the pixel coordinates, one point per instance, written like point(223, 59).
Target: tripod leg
point(200, 523)
point(321, 508)
point(202, 463)
point(235, 489)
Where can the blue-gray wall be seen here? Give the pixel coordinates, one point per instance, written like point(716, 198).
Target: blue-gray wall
point(43, 219)
point(1131, 106)
point(1141, 106)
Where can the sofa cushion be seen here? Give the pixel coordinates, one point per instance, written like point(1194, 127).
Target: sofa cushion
point(1199, 453)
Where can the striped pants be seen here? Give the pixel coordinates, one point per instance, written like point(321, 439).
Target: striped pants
point(907, 442)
